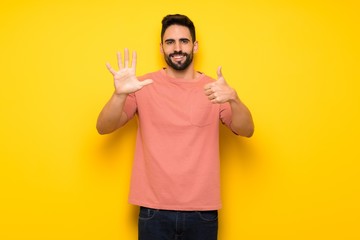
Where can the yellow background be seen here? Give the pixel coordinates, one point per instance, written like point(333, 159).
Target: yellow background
point(294, 63)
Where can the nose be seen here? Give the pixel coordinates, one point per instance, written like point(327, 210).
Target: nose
point(177, 46)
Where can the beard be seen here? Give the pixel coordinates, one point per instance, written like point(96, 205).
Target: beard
point(179, 66)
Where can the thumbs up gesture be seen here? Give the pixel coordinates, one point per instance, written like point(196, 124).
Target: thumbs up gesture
point(219, 91)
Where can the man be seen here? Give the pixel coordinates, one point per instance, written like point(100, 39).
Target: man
point(176, 176)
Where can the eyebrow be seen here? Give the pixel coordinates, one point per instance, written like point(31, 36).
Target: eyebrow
point(171, 39)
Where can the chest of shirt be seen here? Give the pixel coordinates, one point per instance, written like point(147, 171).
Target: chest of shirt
point(176, 104)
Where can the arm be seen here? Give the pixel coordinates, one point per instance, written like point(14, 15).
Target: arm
point(241, 119)
point(112, 115)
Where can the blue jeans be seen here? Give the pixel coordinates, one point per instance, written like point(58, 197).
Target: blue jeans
point(157, 224)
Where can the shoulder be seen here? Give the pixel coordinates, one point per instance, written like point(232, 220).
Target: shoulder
point(206, 78)
point(151, 75)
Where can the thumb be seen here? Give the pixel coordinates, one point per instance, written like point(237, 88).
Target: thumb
point(219, 73)
point(146, 82)
point(220, 76)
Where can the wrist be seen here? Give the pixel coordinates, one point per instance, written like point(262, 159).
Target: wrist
point(120, 95)
point(234, 97)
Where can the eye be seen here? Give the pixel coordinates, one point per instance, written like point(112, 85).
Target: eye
point(169, 42)
point(185, 41)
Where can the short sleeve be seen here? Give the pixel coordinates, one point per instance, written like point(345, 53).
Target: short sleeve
point(225, 115)
point(130, 106)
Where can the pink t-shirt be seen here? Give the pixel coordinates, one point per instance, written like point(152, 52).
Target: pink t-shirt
point(176, 165)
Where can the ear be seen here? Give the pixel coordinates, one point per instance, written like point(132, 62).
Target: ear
point(161, 49)
point(196, 46)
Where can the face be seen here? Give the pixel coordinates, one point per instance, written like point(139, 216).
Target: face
point(178, 47)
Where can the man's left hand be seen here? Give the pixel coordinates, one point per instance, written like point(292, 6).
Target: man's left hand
point(219, 91)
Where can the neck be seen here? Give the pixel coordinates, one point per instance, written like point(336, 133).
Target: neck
point(187, 74)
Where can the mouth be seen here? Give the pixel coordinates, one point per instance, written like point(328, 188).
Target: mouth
point(178, 57)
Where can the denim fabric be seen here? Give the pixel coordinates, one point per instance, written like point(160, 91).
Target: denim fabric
point(177, 225)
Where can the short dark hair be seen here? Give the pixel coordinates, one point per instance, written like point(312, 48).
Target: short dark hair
point(178, 19)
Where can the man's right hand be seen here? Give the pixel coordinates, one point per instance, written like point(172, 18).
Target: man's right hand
point(125, 80)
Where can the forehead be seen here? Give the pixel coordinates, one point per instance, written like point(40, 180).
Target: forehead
point(176, 32)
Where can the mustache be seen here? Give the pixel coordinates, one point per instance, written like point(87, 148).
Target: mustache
point(178, 53)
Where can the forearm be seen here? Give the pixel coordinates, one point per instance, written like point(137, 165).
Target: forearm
point(241, 120)
point(112, 116)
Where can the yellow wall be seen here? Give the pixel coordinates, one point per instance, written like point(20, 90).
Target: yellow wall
point(294, 63)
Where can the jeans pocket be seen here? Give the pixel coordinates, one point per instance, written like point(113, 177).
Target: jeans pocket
point(147, 213)
point(208, 216)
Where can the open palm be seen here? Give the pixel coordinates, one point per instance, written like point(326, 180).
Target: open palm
point(125, 80)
